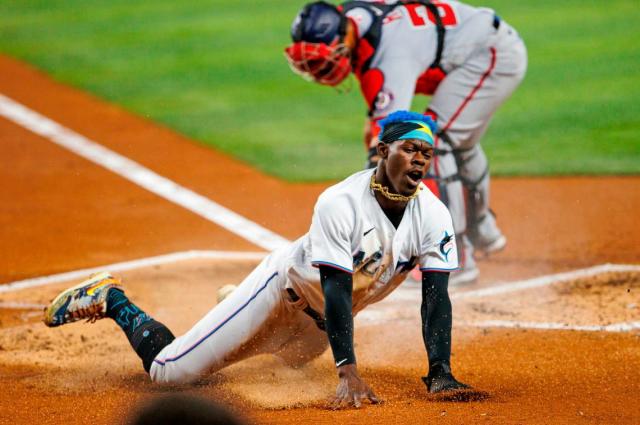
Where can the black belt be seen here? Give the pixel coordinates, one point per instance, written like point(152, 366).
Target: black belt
point(308, 310)
point(496, 22)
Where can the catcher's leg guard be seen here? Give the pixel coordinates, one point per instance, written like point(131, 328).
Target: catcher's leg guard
point(446, 183)
point(468, 270)
point(481, 224)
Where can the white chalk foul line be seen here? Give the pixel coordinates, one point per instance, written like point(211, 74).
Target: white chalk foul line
point(130, 265)
point(409, 294)
point(379, 317)
point(394, 307)
point(371, 316)
point(547, 280)
point(615, 327)
point(139, 174)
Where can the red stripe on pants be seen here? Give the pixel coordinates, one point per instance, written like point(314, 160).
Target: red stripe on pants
point(456, 114)
point(474, 91)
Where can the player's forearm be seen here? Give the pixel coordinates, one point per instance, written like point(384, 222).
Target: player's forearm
point(436, 316)
point(337, 287)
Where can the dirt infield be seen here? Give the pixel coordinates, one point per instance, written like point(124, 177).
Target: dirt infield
point(61, 212)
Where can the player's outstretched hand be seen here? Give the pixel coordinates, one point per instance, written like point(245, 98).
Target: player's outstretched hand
point(352, 390)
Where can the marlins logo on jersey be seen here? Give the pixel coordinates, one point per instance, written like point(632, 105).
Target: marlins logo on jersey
point(350, 232)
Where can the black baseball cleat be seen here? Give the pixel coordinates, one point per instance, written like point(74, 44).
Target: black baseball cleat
point(442, 386)
point(441, 379)
point(443, 383)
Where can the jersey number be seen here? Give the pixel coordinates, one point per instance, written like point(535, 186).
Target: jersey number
point(420, 15)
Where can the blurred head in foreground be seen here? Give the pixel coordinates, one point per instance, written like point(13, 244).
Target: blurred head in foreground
point(182, 409)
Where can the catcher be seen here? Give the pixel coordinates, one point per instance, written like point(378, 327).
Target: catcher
point(467, 58)
point(366, 234)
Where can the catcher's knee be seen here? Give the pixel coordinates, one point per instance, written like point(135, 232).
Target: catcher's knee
point(473, 165)
point(441, 178)
point(473, 171)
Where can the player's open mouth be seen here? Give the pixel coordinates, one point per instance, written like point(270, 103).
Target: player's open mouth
point(414, 178)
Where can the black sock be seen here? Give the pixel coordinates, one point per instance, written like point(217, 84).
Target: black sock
point(147, 336)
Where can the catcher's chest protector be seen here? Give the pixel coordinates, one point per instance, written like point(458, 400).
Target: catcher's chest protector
point(379, 12)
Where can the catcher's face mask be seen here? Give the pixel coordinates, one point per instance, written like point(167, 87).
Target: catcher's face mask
point(318, 52)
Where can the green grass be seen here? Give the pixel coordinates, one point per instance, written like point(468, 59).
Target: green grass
point(215, 72)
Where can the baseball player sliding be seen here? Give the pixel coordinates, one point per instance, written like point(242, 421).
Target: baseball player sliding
point(466, 57)
point(366, 234)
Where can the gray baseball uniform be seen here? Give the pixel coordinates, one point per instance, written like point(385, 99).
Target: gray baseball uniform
point(483, 61)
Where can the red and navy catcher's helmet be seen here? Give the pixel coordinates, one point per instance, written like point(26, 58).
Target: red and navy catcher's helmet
point(317, 52)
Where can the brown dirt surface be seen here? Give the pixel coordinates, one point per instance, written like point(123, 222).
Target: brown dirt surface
point(603, 299)
point(58, 212)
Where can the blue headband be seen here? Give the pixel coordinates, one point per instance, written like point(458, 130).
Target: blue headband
point(402, 125)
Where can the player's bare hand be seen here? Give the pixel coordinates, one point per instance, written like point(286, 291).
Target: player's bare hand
point(352, 391)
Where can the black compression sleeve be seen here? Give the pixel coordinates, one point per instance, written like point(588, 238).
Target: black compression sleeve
point(436, 316)
point(337, 287)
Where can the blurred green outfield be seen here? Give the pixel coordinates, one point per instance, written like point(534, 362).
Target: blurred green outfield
point(215, 72)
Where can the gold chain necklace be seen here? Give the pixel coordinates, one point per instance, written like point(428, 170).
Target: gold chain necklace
point(391, 196)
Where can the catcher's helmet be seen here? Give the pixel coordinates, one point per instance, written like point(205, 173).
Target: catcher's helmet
point(317, 52)
point(318, 22)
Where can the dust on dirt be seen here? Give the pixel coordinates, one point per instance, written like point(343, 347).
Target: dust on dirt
point(68, 214)
point(599, 300)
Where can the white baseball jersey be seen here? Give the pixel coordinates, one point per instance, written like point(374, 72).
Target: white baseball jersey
point(349, 231)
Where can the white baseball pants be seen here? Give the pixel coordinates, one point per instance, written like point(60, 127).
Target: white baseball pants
point(256, 318)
